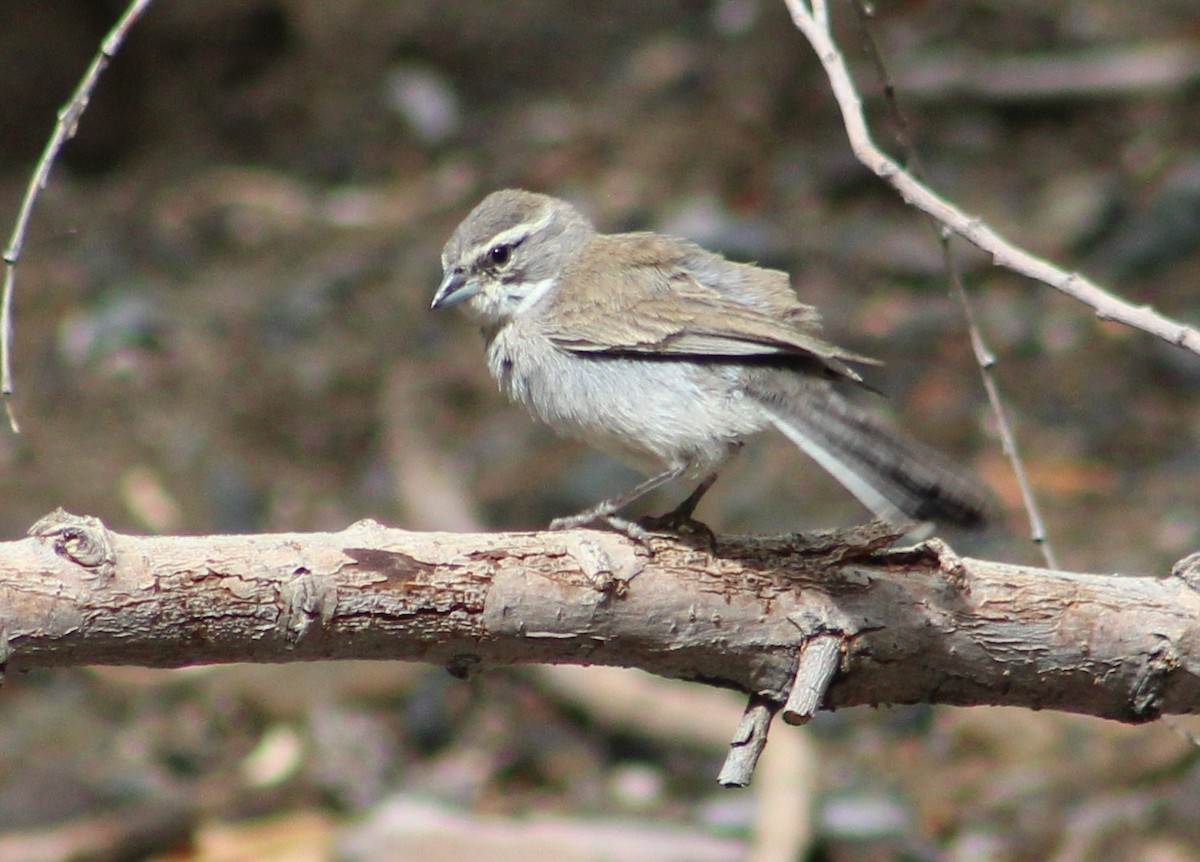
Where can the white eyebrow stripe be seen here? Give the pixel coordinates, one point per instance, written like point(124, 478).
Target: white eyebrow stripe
point(511, 235)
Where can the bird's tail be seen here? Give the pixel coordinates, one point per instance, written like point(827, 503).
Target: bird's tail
point(899, 480)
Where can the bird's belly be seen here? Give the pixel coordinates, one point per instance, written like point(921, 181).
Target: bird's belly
point(650, 413)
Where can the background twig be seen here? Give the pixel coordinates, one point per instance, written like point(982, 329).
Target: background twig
point(1106, 305)
point(985, 359)
point(64, 130)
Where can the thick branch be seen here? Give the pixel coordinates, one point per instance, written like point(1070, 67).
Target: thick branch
point(916, 625)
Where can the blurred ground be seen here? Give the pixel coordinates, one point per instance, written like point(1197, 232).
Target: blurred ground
point(221, 326)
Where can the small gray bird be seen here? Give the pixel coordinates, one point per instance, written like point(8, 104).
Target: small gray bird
point(668, 357)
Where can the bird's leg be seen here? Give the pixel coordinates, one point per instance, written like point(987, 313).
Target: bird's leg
point(680, 520)
point(607, 510)
point(684, 511)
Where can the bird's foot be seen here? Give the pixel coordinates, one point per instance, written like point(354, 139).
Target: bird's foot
point(680, 524)
point(592, 519)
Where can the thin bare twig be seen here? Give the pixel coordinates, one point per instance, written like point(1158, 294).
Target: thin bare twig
point(64, 130)
point(984, 358)
point(1106, 305)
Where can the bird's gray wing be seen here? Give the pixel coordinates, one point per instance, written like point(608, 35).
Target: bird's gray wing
point(670, 298)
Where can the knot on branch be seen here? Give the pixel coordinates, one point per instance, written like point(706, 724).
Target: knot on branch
point(936, 551)
point(306, 599)
point(1149, 688)
point(82, 539)
point(1188, 570)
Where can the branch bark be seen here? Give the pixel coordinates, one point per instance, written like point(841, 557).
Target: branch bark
point(915, 625)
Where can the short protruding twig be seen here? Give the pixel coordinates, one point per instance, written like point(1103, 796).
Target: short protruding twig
point(818, 663)
point(748, 743)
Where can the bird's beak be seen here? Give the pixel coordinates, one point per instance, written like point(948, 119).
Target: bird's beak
point(455, 287)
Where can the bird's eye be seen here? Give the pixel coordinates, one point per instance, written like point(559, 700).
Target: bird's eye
point(499, 255)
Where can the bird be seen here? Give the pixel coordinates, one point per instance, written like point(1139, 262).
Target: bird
point(669, 357)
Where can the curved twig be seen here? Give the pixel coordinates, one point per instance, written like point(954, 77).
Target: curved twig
point(64, 130)
point(1107, 306)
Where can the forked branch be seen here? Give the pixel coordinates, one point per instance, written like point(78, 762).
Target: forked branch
point(813, 21)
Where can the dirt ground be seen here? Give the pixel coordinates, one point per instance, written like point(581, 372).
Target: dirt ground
point(221, 325)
